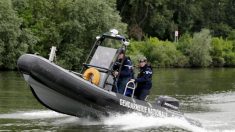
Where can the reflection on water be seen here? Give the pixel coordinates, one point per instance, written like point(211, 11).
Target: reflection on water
point(15, 94)
point(193, 81)
point(207, 95)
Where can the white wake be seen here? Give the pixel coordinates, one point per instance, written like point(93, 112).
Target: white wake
point(121, 122)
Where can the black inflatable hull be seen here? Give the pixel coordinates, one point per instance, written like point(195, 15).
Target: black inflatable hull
point(62, 91)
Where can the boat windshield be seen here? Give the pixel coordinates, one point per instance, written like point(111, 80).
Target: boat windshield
point(112, 43)
point(103, 57)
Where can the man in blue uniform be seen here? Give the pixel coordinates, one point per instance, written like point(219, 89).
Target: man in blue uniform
point(144, 80)
point(125, 73)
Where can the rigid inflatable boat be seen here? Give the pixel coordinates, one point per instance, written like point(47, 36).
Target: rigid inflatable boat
point(89, 93)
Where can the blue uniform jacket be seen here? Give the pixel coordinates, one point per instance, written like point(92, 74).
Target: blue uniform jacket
point(126, 71)
point(144, 78)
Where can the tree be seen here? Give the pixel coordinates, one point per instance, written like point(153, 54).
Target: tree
point(160, 18)
point(10, 46)
point(229, 11)
point(159, 53)
point(199, 54)
point(217, 52)
point(146, 17)
point(184, 44)
point(82, 23)
point(70, 25)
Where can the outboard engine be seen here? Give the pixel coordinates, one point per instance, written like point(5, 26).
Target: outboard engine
point(168, 102)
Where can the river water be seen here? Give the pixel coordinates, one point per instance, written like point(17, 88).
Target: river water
point(206, 95)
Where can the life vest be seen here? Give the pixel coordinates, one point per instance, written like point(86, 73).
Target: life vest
point(93, 75)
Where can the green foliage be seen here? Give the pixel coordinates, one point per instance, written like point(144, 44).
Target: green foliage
point(199, 50)
point(134, 50)
point(220, 29)
point(218, 61)
point(71, 56)
point(229, 59)
point(160, 18)
point(81, 24)
point(70, 25)
point(159, 53)
point(217, 47)
point(222, 52)
point(217, 52)
point(11, 46)
point(231, 35)
point(184, 44)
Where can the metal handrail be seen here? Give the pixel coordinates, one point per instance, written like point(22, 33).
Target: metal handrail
point(133, 88)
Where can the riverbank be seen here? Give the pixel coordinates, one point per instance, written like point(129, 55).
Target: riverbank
point(199, 50)
point(136, 67)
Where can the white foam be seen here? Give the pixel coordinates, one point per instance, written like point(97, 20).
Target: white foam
point(216, 121)
point(29, 115)
point(74, 121)
point(129, 121)
point(135, 121)
point(223, 97)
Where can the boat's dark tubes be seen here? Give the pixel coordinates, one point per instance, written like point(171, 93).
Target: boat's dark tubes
point(60, 90)
point(63, 91)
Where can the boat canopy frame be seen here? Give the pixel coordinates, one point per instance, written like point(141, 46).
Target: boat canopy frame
point(100, 42)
